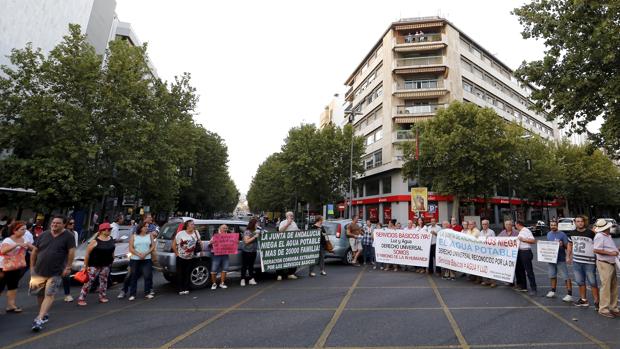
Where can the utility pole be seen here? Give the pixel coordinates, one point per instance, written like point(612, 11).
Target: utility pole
point(351, 113)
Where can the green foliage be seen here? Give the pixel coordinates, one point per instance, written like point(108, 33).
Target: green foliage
point(313, 167)
point(579, 75)
point(470, 151)
point(76, 125)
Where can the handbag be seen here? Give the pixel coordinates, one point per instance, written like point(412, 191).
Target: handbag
point(14, 261)
point(81, 276)
point(198, 247)
point(329, 247)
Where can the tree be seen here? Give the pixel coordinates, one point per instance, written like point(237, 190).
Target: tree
point(579, 76)
point(462, 152)
point(313, 167)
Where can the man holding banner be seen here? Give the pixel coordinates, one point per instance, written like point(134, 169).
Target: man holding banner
point(525, 258)
point(288, 225)
point(558, 268)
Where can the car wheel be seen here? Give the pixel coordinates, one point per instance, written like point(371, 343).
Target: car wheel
point(169, 277)
point(199, 276)
point(348, 257)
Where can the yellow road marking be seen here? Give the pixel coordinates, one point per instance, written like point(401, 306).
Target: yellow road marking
point(453, 323)
point(595, 340)
point(320, 343)
point(212, 319)
point(64, 328)
point(529, 345)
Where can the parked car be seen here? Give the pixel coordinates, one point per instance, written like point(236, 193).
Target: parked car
point(614, 226)
point(538, 228)
point(121, 254)
point(566, 224)
point(206, 228)
point(337, 233)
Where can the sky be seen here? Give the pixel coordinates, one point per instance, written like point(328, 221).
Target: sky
point(262, 67)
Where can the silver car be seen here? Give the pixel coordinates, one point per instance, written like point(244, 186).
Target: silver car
point(121, 254)
point(337, 233)
point(200, 273)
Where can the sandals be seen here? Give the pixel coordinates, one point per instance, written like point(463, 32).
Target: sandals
point(15, 310)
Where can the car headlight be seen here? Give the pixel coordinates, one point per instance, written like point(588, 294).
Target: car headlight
point(123, 256)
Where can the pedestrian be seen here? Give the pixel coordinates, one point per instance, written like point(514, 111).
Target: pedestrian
point(141, 247)
point(487, 232)
point(392, 226)
point(287, 224)
point(354, 232)
point(606, 258)
point(116, 226)
point(13, 262)
point(559, 269)
point(525, 257)
point(249, 247)
point(51, 259)
point(448, 274)
point(318, 224)
point(66, 280)
point(434, 228)
point(367, 241)
point(455, 225)
point(472, 229)
point(219, 263)
point(420, 228)
point(184, 245)
point(38, 228)
point(580, 253)
point(97, 261)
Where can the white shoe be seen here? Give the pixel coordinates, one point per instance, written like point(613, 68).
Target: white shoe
point(149, 296)
point(223, 286)
point(214, 287)
point(185, 292)
point(550, 294)
point(292, 277)
point(312, 274)
point(568, 298)
point(68, 298)
point(242, 282)
point(252, 282)
point(132, 298)
point(121, 295)
point(279, 278)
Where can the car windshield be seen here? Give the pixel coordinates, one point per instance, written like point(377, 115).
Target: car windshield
point(566, 220)
point(330, 228)
point(168, 230)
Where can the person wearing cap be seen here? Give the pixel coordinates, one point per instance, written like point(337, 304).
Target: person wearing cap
point(606, 256)
point(97, 261)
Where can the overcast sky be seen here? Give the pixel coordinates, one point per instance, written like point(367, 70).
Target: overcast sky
point(262, 67)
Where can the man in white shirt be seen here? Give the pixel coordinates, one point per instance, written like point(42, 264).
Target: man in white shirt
point(524, 259)
point(487, 232)
point(116, 226)
point(288, 225)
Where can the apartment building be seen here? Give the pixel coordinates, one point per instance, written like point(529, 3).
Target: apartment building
point(417, 67)
point(333, 113)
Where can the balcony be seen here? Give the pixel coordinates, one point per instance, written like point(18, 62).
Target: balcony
point(416, 65)
point(418, 110)
point(402, 136)
point(420, 89)
point(419, 43)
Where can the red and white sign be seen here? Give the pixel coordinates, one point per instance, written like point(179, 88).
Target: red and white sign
point(405, 247)
point(225, 243)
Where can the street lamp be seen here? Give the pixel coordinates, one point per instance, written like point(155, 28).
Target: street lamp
point(351, 113)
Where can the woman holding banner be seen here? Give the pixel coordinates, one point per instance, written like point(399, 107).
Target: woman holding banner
point(318, 224)
point(248, 252)
point(219, 263)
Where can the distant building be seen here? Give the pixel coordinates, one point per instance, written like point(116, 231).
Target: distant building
point(333, 113)
point(417, 67)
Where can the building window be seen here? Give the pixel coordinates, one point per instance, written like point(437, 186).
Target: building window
point(387, 185)
point(378, 158)
point(372, 187)
point(467, 87)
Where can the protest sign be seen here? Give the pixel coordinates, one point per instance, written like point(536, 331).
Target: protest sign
point(404, 247)
point(547, 251)
point(289, 249)
point(491, 257)
point(225, 243)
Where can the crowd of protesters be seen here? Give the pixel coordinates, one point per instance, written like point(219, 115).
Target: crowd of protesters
point(50, 255)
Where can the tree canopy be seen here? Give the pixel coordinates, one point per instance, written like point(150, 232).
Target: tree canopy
point(579, 75)
point(313, 167)
point(75, 125)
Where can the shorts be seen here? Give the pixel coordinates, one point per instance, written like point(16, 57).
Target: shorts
point(44, 285)
point(219, 264)
point(585, 271)
point(10, 281)
point(558, 270)
point(356, 244)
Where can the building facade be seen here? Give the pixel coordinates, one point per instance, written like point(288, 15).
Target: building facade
point(416, 68)
point(333, 113)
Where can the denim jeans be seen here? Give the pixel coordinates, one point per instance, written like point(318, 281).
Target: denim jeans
point(583, 272)
point(219, 264)
point(144, 268)
point(369, 253)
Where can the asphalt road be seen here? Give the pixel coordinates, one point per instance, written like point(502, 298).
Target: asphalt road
point(349, 308)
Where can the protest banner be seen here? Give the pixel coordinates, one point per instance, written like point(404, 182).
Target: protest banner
point(289, 249)
point(403, 247)
point(223, 244)
point(547, 251)
point(491, 257)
